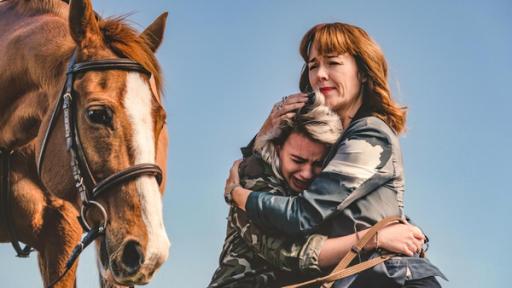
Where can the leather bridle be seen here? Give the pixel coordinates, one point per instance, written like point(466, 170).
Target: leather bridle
point(86, 184)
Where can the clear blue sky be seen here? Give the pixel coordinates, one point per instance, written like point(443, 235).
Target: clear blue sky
point(227, 62)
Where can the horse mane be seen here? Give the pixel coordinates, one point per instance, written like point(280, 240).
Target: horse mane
point(125, 41)
point(117, 34)
point(31, 7)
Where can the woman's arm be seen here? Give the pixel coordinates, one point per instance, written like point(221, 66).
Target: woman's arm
point(403, 239)
point(360, 165)
point(316, 252)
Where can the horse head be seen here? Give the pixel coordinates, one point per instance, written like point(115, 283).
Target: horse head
point(119, 123)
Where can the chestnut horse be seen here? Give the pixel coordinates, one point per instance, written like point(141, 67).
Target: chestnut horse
point(121, 124)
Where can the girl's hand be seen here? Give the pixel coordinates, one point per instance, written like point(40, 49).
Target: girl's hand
point(283, 109)
point(405, 239)
point(232, 182)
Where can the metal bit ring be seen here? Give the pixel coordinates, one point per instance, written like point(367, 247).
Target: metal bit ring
point(85, 208)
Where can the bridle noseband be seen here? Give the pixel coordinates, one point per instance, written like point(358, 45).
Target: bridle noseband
point(86, 184)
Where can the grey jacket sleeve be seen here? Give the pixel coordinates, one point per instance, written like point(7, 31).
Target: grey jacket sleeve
point(361, 162)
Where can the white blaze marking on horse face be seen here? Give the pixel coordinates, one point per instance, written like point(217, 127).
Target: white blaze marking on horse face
point(137, 102)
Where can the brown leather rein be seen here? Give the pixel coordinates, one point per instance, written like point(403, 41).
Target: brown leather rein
point(342, 270)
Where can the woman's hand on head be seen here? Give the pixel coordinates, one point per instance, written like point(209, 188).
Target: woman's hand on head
point(284, 109)
point(400, 238)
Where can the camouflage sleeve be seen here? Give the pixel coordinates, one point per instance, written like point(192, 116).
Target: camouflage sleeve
point(360, 164)
point(285, 253)
point(289, 254)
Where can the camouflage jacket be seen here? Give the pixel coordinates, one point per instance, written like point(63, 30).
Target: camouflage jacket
point(361, 183)
point(251, 258)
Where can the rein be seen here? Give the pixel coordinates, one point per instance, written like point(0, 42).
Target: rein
point(342, 270)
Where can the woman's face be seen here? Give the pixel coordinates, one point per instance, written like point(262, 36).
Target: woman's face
point(337, 78)
point(300, 160)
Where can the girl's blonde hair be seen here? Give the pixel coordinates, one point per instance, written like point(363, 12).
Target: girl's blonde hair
point(316, 122)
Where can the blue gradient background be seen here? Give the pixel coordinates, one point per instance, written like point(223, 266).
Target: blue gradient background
point(227, 62)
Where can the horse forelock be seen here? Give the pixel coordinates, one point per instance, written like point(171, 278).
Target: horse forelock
point(125, 41)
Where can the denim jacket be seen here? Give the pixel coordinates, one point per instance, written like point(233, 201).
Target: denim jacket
point(361, 183)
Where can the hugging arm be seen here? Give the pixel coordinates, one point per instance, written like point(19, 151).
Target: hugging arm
point(359, 165)
point(285, 253)
point(316, 252)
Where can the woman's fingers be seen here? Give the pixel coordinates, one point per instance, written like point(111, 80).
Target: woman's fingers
point(402, 238)
point(286, 108)
point(288, 104)
point(288, 115)
point(296, 98)
point(411, 249)
point(411, 246)
point(414, 246)
point(417, 233)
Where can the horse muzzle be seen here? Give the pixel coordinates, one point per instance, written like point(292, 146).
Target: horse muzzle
point(130, 265)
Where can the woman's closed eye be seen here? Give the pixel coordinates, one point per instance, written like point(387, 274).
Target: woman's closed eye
point(335, 63)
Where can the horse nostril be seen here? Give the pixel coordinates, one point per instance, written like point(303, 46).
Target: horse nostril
point(132, 257)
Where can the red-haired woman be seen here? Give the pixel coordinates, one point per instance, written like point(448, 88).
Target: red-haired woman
point(362, 181)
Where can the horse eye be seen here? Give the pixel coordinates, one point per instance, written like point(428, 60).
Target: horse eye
point(100, 115)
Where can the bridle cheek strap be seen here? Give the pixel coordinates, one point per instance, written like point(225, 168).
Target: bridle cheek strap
point(87, 186)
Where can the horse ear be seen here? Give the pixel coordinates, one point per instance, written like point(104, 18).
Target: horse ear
point(154, 33)
point(83, 25)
